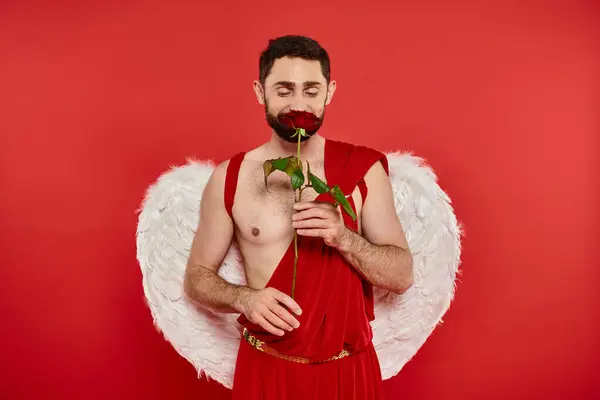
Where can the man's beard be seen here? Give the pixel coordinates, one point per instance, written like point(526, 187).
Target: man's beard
point(285, 132)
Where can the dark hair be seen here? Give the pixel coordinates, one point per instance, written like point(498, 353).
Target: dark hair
point(292, 46)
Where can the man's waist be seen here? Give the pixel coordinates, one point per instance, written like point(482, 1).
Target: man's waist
point(265, 348)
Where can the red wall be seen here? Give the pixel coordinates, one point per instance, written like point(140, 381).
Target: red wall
point(501, 98)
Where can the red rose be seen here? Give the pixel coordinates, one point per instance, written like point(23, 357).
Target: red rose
point(300, 119)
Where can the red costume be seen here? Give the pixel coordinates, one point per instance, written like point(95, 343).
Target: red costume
point(336, 302)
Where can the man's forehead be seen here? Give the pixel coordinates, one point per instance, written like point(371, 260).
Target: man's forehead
point(297, 71)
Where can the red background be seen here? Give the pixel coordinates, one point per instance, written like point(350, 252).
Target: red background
point(96, 100)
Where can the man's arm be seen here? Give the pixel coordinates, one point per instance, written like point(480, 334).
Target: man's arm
point(382, 255)
point(211, 242)
point(203, 285)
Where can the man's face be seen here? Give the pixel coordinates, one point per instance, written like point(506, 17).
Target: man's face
point(294, 84)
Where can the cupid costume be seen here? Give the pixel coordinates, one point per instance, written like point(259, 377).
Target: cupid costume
point(330, 356)
point(338, 306)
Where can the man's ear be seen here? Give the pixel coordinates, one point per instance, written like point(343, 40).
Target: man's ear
point(260, 92)
point(330, 91)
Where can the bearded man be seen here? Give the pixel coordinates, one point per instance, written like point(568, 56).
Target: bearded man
point(317, 345)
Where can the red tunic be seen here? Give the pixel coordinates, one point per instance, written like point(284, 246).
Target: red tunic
point(336, 302)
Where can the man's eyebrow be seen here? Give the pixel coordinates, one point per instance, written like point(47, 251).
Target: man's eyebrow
point(289, 84)
point(312, 83)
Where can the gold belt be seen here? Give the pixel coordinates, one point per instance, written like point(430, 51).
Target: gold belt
point(261, 346)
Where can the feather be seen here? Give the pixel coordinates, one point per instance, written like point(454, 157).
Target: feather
point(169, 215)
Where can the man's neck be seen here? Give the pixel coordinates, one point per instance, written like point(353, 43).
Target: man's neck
point(311, 149)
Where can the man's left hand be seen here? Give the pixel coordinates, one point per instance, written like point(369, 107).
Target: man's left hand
point(320, 219)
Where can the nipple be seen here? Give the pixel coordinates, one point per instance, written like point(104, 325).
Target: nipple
point(255, 232)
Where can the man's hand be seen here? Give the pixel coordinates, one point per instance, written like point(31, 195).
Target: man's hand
point(320, 219)
point(264, 307)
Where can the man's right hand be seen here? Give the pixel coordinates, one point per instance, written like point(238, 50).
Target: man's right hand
point(264, 307)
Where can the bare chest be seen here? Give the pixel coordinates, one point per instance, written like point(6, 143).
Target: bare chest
point(263, 213)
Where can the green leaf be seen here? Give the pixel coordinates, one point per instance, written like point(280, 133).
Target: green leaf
point(290, 165)
point(339, 197)
point(280, 163)
point(318, 185)
point(268, 169)
point(297, 179)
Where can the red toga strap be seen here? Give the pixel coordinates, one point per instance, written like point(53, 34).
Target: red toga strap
point(231, 179)
point(362, 186)
point(360, 160)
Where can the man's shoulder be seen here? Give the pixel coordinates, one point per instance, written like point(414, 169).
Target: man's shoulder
point(362, 158)
point(362, 152)
point(219, 174)
point(357, 148)
point(234, 161)
point(221, 169)
point(235, 158)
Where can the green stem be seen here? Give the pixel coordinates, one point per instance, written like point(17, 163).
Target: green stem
point(295, 233)
point(299, 137)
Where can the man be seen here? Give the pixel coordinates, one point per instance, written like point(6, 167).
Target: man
point(317, 345)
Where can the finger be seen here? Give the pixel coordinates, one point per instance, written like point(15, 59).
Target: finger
point(284, 315)
point(287, 301)
point(276, 321)
point(312, 232)
point(260, 320)
point(310, 213)
point(304, 205)
point(311, 224)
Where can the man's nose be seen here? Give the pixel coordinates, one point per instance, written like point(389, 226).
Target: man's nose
point(298, 102)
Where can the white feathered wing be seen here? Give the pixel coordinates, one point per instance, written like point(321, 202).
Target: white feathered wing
point(169, 217)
